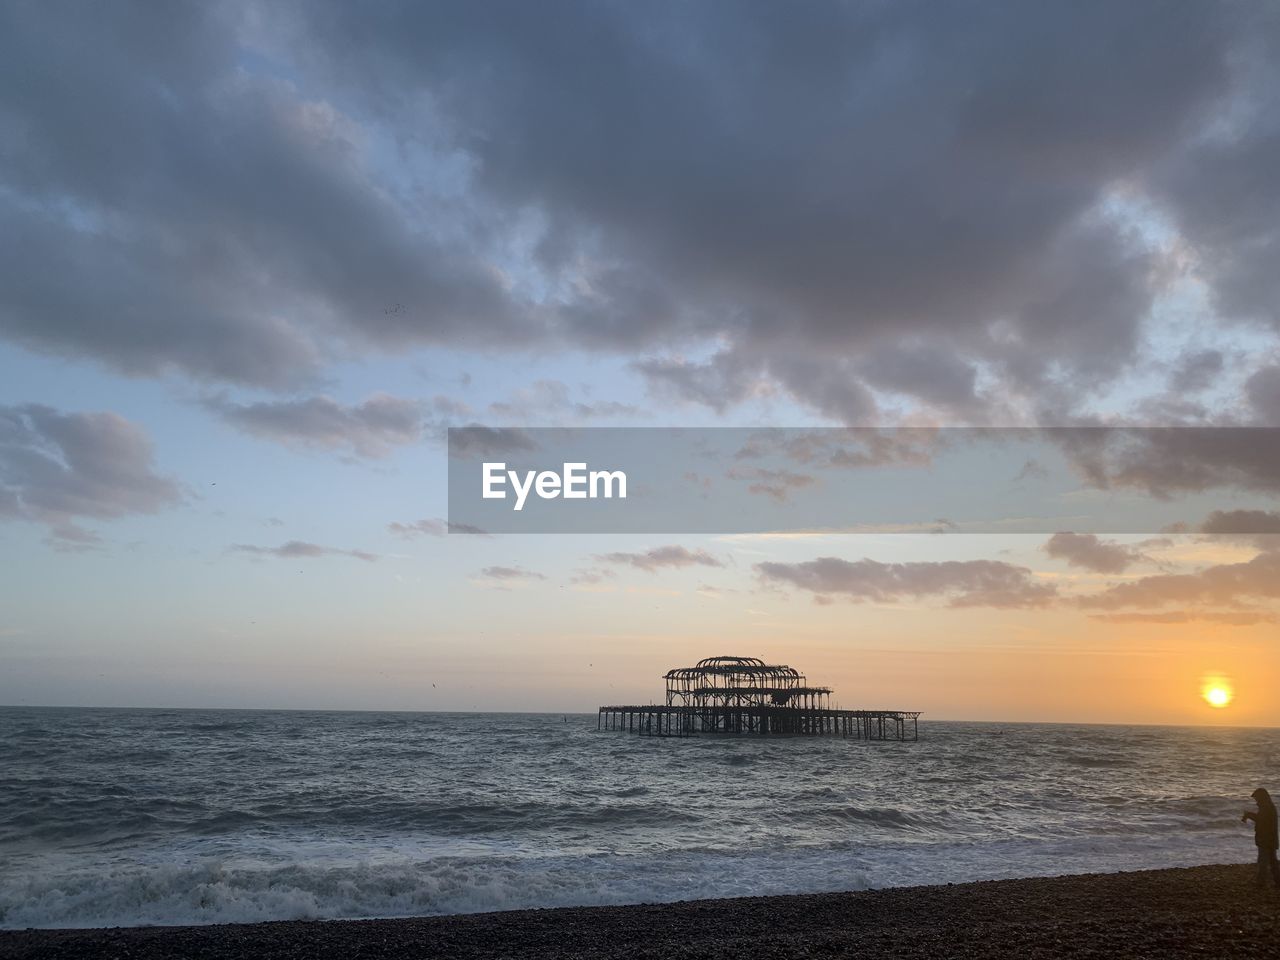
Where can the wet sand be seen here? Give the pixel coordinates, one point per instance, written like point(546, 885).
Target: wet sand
point(1212, 911)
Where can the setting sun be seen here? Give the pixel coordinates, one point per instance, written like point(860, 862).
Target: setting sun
point(1217, 692)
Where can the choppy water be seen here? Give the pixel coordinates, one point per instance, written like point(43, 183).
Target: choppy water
point(172, 816)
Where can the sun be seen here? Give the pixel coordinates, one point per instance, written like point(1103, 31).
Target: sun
point(1216, 692)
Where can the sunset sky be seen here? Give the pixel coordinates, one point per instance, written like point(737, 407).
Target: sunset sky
point(257, 258)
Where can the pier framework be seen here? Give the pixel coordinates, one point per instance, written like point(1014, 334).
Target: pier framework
point(744, 695)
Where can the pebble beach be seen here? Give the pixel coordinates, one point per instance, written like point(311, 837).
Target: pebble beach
point(1209, 911)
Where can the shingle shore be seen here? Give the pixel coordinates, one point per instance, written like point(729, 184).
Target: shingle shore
point(1211, 911)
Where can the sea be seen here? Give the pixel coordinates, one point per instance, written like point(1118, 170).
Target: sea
point(128, 817)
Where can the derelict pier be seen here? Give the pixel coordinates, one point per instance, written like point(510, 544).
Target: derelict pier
point(744, 695)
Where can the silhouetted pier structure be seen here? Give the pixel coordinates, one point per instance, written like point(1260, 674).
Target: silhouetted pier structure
point(743, 695)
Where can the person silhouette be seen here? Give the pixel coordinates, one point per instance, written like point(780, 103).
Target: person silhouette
point(1265, 836)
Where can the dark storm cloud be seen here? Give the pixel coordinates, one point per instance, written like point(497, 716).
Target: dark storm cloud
point(669, 556)
point(911, 198)
point(56, 468)
point(967, 583)
point(1088, 551)
point(368, 429)
point(300, 549)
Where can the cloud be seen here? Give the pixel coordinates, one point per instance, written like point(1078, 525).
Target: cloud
point(1222, 585)
point(927, 371)
point(478, 441)
point(1259, 527)
point(1087, 551)
point(370, 429)
point(855, 202)
point(552, 400)
point(670, 556)
point(1188, 616)
point(1196, 371)
point(300, 549)
point(967, 583)
point(1175, 460)
point(510, 573)
point(778, 485)
point(852, 449)
point(505, 578)
point(593, 577)
point(151, 244)
point(432, 528)
point(719, 383)
point(57, 468)
point(1263, 392)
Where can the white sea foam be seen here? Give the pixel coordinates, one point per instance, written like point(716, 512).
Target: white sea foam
point(167, 817)
point(70, 894)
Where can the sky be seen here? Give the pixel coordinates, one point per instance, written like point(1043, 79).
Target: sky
point(256, 259)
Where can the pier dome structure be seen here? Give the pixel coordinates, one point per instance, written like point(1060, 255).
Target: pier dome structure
point(744, 682)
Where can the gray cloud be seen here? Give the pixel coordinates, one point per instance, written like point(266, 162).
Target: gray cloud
point(839, 200)
point(672, 555)
point(1246, 522)
point(149, 242)
point(1168, 461)
point(1222, 189)
point(371, 428)
point(967, 583)
point(593, 577)
point(504, 576)
point(927, 371)
point(300, 549)
point(1263, 391)
point(1223, 585)
point(852, 448)
point(552, 401)
point(777, 485)
point(431, 528)
point(1261, 528)
point(1196, 371)
point(1088, 551)
point(478, 441)
point(57, 468)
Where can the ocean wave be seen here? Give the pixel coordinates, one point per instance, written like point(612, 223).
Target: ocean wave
point(218, 891)
point(880, 816)
point(118, 816)
point(363, 884)
point(1098, 763)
